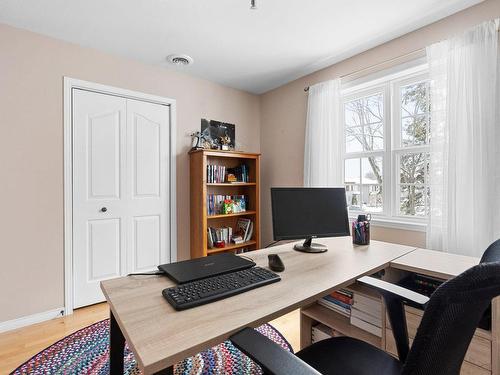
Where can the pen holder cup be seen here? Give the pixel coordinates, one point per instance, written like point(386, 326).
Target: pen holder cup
point(360, 232)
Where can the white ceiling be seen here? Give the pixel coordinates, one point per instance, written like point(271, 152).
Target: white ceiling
point(250, 50)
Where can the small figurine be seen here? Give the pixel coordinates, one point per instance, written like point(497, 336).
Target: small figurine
point(225, 142)
point(198, 141)
point(231, 177)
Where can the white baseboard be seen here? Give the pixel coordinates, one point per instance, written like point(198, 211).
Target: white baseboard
point(30, 319)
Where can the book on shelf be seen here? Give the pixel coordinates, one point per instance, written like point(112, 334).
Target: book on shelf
point(238, 174)
point(216, 174)
point(219, 237)
point(322, 332)
point(342, 297)
point(337, 308)
point(365, 326)
point(339, 301)
point(224, 236)
point(244, 230)
point(218, 204)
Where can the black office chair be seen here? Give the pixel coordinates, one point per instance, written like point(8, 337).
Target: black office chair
point(450, 318)
point(492, 253)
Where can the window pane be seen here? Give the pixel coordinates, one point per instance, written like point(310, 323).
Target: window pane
point(374, 136)
point(414, 130)
point(353, 197)
point(354, 137)
point(413, 168)
point(412, 200)
point(414, 99)
point(371, 170)
point(352, 171)
point(372, 198)
point(364, 111)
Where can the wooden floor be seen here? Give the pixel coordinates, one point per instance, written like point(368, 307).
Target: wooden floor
point(19, 345)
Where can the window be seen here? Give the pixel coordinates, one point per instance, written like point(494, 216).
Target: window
point(386, 147)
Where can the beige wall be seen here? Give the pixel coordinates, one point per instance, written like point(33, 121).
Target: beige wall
point(283, 111)
point(31, 152)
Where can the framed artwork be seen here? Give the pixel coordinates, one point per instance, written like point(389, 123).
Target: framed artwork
point(220, 135)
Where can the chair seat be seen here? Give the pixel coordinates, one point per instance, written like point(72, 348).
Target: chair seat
point(348, 356)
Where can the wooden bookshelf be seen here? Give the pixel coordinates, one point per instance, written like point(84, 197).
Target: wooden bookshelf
point(200, 190)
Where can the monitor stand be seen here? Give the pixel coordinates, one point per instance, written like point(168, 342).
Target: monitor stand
point(309, 247)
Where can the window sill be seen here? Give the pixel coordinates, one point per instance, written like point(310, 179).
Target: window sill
point(395, 223)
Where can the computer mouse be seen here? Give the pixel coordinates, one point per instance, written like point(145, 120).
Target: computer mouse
point(275, 263)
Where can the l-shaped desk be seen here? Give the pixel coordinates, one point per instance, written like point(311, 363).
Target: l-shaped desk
point(159, 336)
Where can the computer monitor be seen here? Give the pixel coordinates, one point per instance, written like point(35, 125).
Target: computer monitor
point(308, 213)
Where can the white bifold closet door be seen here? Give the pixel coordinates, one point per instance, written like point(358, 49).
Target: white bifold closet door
point(120, 189)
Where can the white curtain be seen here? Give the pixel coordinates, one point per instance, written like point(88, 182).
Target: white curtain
point(464, 158)
point(322, 156)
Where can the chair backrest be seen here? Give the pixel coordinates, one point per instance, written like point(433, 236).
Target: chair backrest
point(450, 320)
point(492, 253)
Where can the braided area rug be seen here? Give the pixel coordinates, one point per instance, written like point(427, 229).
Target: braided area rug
point(87, 352)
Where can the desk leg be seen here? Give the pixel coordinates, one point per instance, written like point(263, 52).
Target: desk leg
point(116, 347)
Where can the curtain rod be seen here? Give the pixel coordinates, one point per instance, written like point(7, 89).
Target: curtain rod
point(415, 52)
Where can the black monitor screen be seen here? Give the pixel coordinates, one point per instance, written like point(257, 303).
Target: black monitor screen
point(309, 212)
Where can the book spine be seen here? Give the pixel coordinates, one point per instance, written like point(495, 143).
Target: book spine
point(337, 302)
point(334, 307)
point(346, 293)
point(342, 297)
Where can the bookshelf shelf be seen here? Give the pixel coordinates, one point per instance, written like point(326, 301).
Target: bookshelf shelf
point(231, 247)
point(231, 215)
point(340, 323)
point(246, 167)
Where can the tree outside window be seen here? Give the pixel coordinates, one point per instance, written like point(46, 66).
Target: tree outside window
point(366, 147)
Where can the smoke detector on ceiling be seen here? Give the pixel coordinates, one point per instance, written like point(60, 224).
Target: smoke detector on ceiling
point(179, 60)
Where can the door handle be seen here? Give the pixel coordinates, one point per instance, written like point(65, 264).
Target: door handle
point(104, 209)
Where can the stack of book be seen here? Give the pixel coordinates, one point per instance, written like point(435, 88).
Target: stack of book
point(225, 204)
point(216, 174)
point(244, 231)
point(219, 237)
point(366, 313)
point(222, 237)
point(339, 301)
point(322, 332)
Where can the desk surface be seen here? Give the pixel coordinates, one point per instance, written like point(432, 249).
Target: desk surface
point(435, 263)
point(160, 337)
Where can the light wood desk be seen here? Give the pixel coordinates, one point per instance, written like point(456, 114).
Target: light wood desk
point(159, 336)
point(434, 263)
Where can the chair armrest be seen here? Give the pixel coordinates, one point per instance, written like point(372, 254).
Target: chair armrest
point(270, 356)
point(394, 296)
point(385, 287)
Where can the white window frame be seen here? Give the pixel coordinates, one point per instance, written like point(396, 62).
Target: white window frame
point(364, 154)
point(389, 85)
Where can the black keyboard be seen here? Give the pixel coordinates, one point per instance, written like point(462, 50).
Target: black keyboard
point(214, 288)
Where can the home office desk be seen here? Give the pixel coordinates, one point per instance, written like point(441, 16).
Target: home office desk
point(159, 336)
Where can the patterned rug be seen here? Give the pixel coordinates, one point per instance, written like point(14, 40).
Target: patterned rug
point(87, 352)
